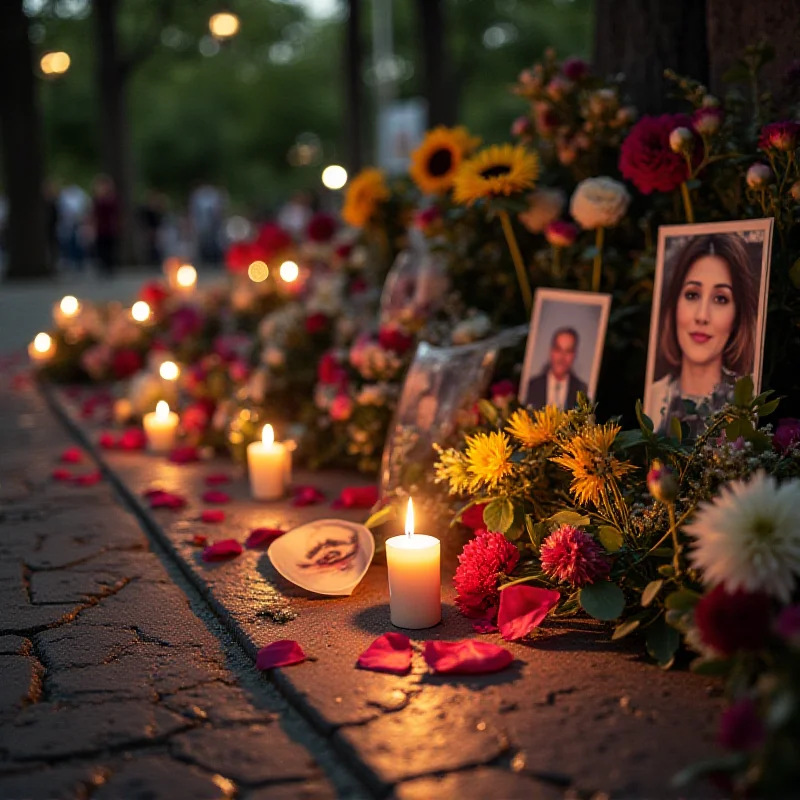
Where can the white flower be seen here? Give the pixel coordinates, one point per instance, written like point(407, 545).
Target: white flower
point(758, 175)
point(470, 330)
point(748, 538)
point(680, 140)
point(599, 203)
point(544, 205)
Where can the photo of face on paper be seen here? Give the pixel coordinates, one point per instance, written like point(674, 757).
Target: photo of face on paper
point(565, 347)
point(708, 318)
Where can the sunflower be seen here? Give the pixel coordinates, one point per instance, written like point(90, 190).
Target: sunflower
point(496, 170)
point(537, 429)
point(364, 193)
point(435, 162)
point(488, 458)
point(588, 457)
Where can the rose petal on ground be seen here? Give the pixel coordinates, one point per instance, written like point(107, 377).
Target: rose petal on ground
point(217, 478)
point(523, 608)
point(216, 497)
point(282, 653)
point(262, 537)
point(307, 496)
point(357, 497)
point(484, 626)
point(161, 499)
point(89, 479)
point(72, 455)
point(212, 515)
point(132, 439)
point(184, 455)
point(61, 474)
point(220, 551)
point(388, 653)
point(198, 540)
point(467, 657)
point(107, 441)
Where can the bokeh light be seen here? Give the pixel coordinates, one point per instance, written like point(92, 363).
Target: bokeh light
point(55, 63)
point(258, 271)
point(334, 177)
point(224, 25)
point(42, 343)
point(169, 371)
point(140, 311)
point(289, 271)
point(186, 276)
point(69, 306)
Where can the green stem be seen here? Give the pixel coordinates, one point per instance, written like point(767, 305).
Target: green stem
point(516, 257)
point(598, 259)
point(687, 203)
point(556, 262)
point(676, 554)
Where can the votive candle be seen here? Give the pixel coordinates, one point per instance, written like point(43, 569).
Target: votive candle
point(269, 464)
point(161, 428)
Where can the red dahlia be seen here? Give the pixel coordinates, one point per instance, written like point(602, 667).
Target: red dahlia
point(480, 565)
point(733, 621)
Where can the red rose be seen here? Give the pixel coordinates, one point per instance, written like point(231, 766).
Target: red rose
point(503, 389)
point(647, 160)
point(321, 227)
point(473, 517)
point(330, 372)
point(239, 257)
point(343, 251)
point(394, 339)
point(185, 321)
point(786, 434)
point(125, 362)
point(316, 323)
point(154, 294)
point(575, 69)
point(729, 622)
point(197, 417)
point(272, 239)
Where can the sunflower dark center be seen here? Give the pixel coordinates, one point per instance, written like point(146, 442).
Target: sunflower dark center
point(496, 171)
point(440, 162)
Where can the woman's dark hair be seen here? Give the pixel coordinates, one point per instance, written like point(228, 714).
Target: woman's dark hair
point(739, 351)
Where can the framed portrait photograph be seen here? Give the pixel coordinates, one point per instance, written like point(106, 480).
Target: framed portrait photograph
point(565, 347)
point(708, 319)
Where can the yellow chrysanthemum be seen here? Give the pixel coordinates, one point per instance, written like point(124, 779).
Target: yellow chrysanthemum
point(497, 170)
point(435, 162)
point(588, 457)
point(536, 429)
point(364, 193)
point(488, 458)
point(451, 469)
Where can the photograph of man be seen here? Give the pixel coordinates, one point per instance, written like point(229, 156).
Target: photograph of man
point(558, 385)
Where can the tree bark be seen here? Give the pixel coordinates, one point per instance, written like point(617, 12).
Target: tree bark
point(642, 38)
point(112, 82)
point(353, 55)
point(441, 108)
point(20, 126)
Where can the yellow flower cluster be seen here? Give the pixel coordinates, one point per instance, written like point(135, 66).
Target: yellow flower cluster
point(535, 429)
point(488, 459)
point(436, 161)
point(497, 170)
point(364, 194)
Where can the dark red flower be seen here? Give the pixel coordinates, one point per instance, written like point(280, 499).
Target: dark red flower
point(786, 434)
point(72, 455)
point(321, 227)
point(272, 239)
point(357, 497)
point(481, 564)
point(473, 517)
point(330, 372)
point(572, 556)
point(125, 362)
point(646, 158)
point(391, 338)
point(197, 417)
point(239, 256)
point(216, 497)
point(740, 727)
point(184, 455)
point(154, 293)
point(306, 496)
point(780, 136)
point(343, 251)
point(262, 537)
point(787, 625)
point(185, 321)
point(317, 322)
point(212, 515)
point(575, 68)
point(729, 622)
point(503, 389)
point(426, 217)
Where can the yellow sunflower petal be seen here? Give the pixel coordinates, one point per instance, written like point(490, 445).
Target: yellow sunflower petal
point(494, 171)
point(435, 162)
point(364, 193)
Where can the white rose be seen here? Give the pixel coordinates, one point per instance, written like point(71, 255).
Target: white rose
point(599, 203)
point(544, 205)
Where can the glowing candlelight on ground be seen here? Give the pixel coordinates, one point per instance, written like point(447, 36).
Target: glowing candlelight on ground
point(415, 588)
point(270, 466)
point(169, 371)
point(186, 276)
point(140, 311)
point(289, 271)
point(41, 348)
point(161, 428)
point(69, 306)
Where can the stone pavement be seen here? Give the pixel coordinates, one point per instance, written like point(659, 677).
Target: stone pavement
point(576, 716)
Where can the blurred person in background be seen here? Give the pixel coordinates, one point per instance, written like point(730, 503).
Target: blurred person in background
point(295, 215)
point(105, 221)
point(151, 219)
point(206, 211)
point(73, 214)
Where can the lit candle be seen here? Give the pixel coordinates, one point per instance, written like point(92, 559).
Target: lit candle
point(140, 311)
point(66, 310)
point(186, 277)
point(270, 466)
point(415, 584)
point(161, 428)
point(41, 348)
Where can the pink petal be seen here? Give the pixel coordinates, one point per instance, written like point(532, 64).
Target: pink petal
point(184, 455)
point(89, 479)
point(132, 439)
point(217, 478)
point(72, 455)
point(468, 657)
point(61, 474)
point(523, 608)
point(262, 537)
point(198, 540)
point(107, 441)
point(473, 517)
point(484, 626)
point(212, 515)
point(388, 653)
point(219, 551)
point(283, 653)
point(161, 499)
point(216, 497)
point(307, 496)
point(357, 497)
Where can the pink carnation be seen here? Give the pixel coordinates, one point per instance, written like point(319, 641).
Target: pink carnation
point(341, 407)
point(779, 136)
point(572, 556)
point(480, 565)
point(786, 434)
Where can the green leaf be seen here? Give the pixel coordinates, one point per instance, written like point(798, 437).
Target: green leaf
point(675, 428)
point(382, 516)
point(488, 411)
point(537, 531)
point(628, 439)
point(733, 430)
point(610, 538)
point(682, 600)
point(662, 552)
point(604, 600)
point(499, 515)
point(768, 408)
point(712, 667)
point(569, 518)
point(762, 398)
point(651, 592)
point(743, 392)
point(624, 628)
point(662, 643)
point(645, 422)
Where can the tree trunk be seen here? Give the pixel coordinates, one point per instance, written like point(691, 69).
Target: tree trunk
point(20, 125)
point(642, 38)
point(735, 24)
point(112, 77)
point(441, 108)
point(353, 55)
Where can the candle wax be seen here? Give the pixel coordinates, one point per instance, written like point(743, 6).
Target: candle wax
point(415, 586)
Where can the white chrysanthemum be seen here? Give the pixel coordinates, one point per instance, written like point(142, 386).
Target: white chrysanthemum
point(748, 538)
point(599, 203)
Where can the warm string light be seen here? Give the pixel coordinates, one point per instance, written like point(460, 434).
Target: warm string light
point(169, 371)
point(140, 311)
point(334, 177)
point(69, 306)
point(56, 63)
point(223, 25)
point(186, 276)
point(410, 519)
point(289, 271)
point(258, 271)
point(267, 435)
point(42, 343)
point(162, 411)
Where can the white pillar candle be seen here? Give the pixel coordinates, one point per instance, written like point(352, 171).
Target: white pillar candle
point(42, 348)
point(269, 464)
point(161, 428)
point(415, 584)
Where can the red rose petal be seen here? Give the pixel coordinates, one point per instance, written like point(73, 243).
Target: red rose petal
point(161, 499)
point(216, 497)
point(523, 608)
point(72, 455)
point(484, 626)
point(89, 479)
point(388, 653)
point(184, 455)
point(132, 439)
point(61, 474)
point(473, 517)
point(262, 537)
point(468, 657)
point(212, 515)
point(220, 551)
point(217, 478)
point(357, 497)
point(107, 441)
point(307, 496)
point(198, 540)
point(283, 653)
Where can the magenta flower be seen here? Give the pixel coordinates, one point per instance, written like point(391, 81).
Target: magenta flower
point(740, 727)
point(560, 233)
point(787, 626)
point(480, 565)
point(779, 136)
point(787, 434)
point(572, 556)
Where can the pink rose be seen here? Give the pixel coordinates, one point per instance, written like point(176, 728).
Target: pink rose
point(341, 407)
point(330, 372)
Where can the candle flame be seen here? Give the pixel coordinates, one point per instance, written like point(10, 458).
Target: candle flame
point(186, 276)
point(289, 271)
point(410, 518)
point(69, 306)
point(140, 311)
point(162, 410)
point(169, 371)
point(267, 435)
point(42, 343)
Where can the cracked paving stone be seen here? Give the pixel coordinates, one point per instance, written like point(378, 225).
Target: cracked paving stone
point(82, 645)
point(486, 783)
point(51, 783)
point(46, 732)
point(71, 587)
point(14, 645)
point(20, 682)
point(313, 790)
point(248, 755)
point(219, 703)
point(28, 619)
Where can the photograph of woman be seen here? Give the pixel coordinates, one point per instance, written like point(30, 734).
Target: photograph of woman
point(707, 325)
